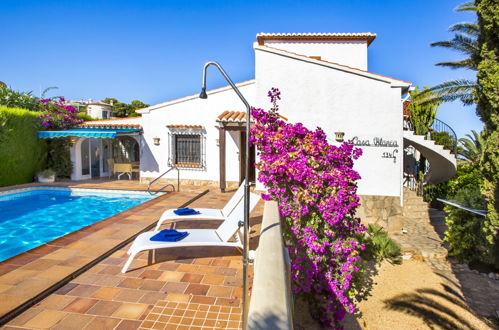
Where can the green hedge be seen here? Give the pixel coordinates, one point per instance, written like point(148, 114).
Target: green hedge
point(22, 154)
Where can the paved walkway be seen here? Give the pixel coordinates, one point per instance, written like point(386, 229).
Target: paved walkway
point(185, 288)
point(424, 240)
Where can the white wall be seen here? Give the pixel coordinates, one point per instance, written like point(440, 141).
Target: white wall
point(95, 111)
point(192, 111)
point(350, 53)
point(339, 101)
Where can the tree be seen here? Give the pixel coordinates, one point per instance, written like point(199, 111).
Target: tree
point(3, 85)
point(422, 114)
point(121, 109)
point(422, 117)
point(471, 148)
point(135, 105)
point(488, 111)
point(465, 41)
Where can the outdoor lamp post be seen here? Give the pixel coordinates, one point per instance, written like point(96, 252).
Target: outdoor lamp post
point(245, 223)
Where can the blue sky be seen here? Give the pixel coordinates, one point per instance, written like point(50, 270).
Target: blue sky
point(154, 50)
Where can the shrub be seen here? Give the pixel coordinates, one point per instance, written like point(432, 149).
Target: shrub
point(59, 158)
point(465, 232)
point(444, 139)
point(57, 115)
point(315, 187)
point(379, 246)
point(83, 116)
point(12, 99)
point(22, 154)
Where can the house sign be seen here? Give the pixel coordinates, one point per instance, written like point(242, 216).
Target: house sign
point(374, 142)
point(380, 143)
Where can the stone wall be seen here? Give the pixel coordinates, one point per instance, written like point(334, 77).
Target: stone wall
point(382, 210)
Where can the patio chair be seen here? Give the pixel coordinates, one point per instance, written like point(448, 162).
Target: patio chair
point(214, 214)
point(197, 237)
point(110, 166)
point(123, 168)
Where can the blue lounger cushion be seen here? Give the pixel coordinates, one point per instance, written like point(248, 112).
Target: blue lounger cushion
point(185, 211)
point(169, 235)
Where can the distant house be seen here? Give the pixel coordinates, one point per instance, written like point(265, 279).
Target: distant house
point(96, 110)
point(324, 81)
point(99, 110)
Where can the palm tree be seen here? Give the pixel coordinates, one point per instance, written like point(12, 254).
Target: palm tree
point(465, 41)
point(471, 147)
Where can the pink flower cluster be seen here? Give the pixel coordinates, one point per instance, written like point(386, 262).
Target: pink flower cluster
point(315, 186)
point(57, 114)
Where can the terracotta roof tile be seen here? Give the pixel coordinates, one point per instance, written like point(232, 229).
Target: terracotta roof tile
point(232, 117)
point(185, 126)
point(236, 117)
point(132, 122)
point(84, 125)
point(367, 36)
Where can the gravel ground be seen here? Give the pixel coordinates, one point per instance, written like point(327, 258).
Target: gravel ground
point(406, 296)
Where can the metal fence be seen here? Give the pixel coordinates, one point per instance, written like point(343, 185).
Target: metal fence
point(444, 135)
point(439, 132)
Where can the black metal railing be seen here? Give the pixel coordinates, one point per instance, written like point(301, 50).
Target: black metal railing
point(444, 135)
point(439, 132)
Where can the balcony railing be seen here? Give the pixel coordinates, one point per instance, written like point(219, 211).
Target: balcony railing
point(439, 132)
point(444, 135)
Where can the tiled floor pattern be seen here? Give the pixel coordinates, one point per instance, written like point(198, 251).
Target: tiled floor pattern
point(172, 315)
point(103, 298)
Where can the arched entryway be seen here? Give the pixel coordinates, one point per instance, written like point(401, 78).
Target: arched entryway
point(125, 150)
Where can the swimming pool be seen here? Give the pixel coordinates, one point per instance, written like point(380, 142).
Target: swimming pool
point(33, 216)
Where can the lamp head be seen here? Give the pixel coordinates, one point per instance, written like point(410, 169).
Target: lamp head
point(203, 95)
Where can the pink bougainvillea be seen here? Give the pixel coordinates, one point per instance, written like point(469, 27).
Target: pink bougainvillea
point(57, 114)
point(315, 186)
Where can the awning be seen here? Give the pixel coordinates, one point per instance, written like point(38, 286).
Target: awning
point(95, 133)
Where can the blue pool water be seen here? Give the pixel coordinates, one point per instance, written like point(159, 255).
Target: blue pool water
point(34, 217)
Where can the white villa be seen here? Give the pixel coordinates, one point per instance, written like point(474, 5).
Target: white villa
point(99, 110)
point(95, 109)
point(324, 81)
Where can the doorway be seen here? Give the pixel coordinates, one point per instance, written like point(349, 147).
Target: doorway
point(242, 163)
point(91, 157)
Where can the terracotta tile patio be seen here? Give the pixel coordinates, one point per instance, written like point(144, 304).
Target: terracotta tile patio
point(186, 288)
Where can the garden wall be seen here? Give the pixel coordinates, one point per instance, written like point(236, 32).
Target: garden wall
point(22, 154)
point(382, 210)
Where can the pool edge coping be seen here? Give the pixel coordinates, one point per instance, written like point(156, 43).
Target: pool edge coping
point(82, 229)
point(29, 302)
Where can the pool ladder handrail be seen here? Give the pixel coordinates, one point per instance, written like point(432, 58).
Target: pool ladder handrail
point(168, 184)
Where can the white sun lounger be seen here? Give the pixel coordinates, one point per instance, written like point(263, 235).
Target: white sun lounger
point(196, 237)
point(215, 214)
